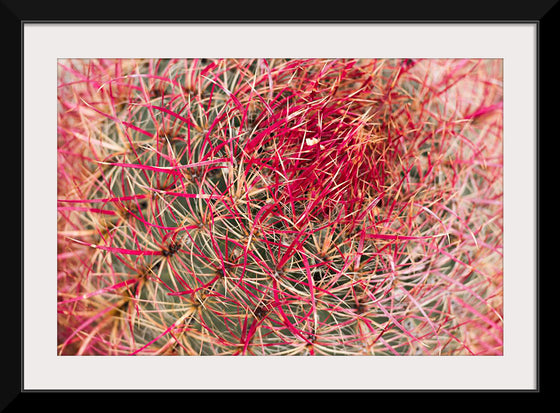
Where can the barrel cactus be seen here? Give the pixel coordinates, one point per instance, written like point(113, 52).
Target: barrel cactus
point(280, 207)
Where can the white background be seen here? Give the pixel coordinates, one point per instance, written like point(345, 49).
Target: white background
point(45, 43)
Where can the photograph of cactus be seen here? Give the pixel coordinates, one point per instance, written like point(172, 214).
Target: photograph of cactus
point(280, 207)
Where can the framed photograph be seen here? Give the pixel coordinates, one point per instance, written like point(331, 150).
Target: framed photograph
point(280, 205)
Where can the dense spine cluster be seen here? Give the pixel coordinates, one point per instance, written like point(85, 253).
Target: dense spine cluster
point(280, 207)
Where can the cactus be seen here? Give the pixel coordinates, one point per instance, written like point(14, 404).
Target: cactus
point(280, 207)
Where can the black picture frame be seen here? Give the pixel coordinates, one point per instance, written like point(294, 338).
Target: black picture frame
point(15, 14)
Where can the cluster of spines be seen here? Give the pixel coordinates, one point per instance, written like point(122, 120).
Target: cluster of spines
point(279, 207)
